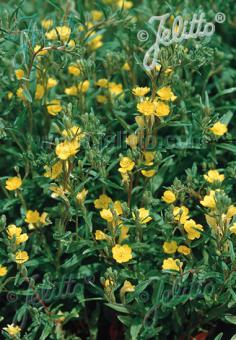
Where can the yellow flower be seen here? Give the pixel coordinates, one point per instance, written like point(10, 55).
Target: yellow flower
point(96, 15)
point(219, 129)
point(126, 288)
point(95, 42)
point(100, 235)
point(148, 173)
point(102, 83)
point(71, 91)
point(9, 95)
point(140, 91)
point(214, 176)
point(121, 253)
point(126, 164)
point(52, 82)
point(106, 214)
point(231, 211)
point(115, 88)
point(140, 121)
point(39, 51)
point(190, 226)
point(181, 214)
point(168, 196)
point(12, 330)
point(73, 132)
point(147, 108)
point(39, 92)
point(143, 215)
point(123, 233)
point(184, 250)
point(126, 4)
point(21, 257)
point(165, 93)
point(62, 31)
point(170, 247)
point(32, 216)
point(81, 196)
point(108, 283)
point(13, 183)
point(162, 109)
point(3, 271)
point(126, 67)
point(67, 149)
point(20, 93)
point(22, 238)
point(71, 44)
point(19, 74)
point(209, 200)
point(233, 228)
point(43, 218)
point(83, 86)
point(47, 23)
point(74, 70)
point(54, 171)
point(101, 99)
point(102, 202)
point(149, 157)
point(171, 264)
point(13, 231)
point(54, 107)
point(132, 141)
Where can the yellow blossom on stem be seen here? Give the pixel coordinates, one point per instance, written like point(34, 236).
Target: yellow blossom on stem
point(81, 196)
point(12, 330)
point(52, 82)
point(102, 202)
point(219, 129)
point(126, 164)
point(171, 264)
point(3, 271)
point(181, 214)
point(214, 176)
point(107, 215)
point(21, 257)
point(192, 228)
point(148, 173)
point(63, 32)
point(132, 141)
point(165, 93)
point(140, 91)
point(143, 216)
point(47, 23)
point(184, 250)
point(100, 235)
point(54, 107)
point(126, 288)
point(13, 183)
point(169, 197)
point(121, 253)
point(209, 200)
point(233, 228)
point(147, 108)
point(19, 74)
point(170, 247)
point(32, 216)
point(55, 171)
point(39, 92)
point(162, 109)
point(67, 149)
point(72, 69)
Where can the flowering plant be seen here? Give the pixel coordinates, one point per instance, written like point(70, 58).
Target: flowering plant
point(118, 205)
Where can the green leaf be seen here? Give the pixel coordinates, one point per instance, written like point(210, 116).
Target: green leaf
point(230, 318)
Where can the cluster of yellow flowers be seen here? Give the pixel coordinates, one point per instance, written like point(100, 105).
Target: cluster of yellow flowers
point(111, 212)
